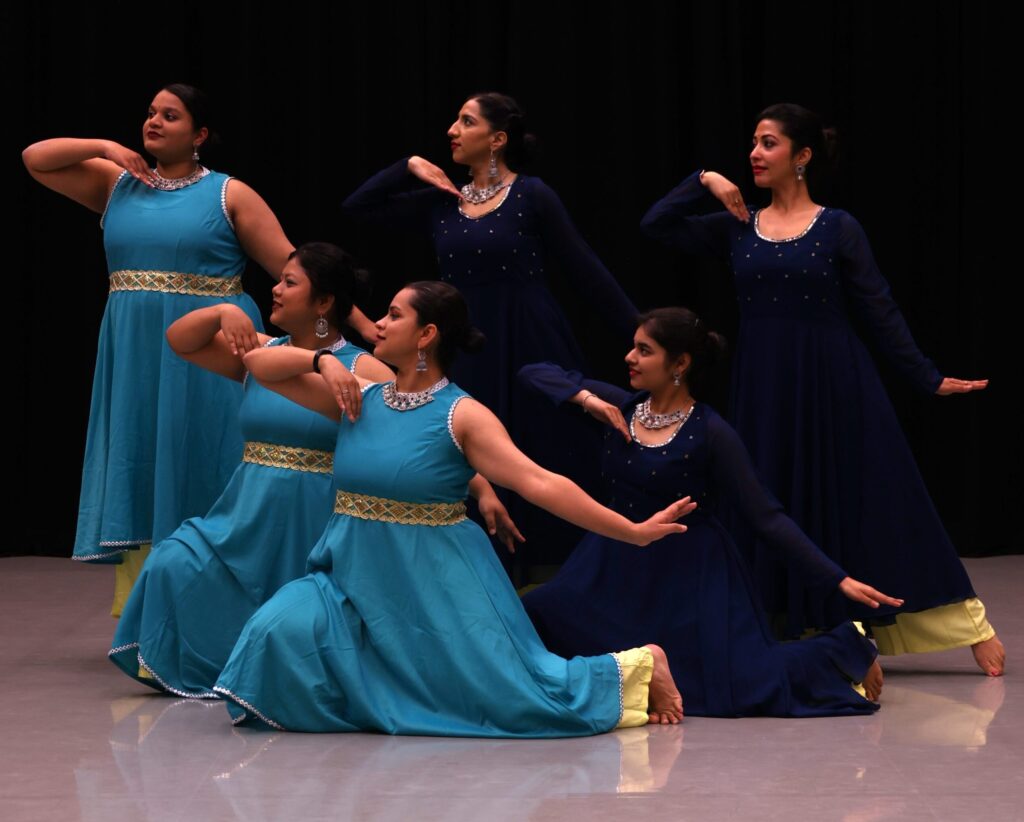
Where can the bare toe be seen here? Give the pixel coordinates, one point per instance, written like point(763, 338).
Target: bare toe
point(990, 656)
point(664, 702)
point(873, 682)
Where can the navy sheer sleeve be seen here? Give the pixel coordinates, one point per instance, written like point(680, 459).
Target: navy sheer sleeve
point(396, 196)
point(580, 264)
point(734, 474)
point(869, 294)
point(671, 220)
point(560, 385)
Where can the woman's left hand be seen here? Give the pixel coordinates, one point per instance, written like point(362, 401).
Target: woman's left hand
point(238, 330)
point(950, 385)
point(498, 521)
point(663, 523)
point(344, 386)
point(859, 592)
point(606, 413)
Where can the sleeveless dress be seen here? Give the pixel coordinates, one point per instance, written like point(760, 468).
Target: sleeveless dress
point(163, 434)
point(698, 601)
point(407, 623)
point(501, 263)
point(200, 585)
point(809, 404)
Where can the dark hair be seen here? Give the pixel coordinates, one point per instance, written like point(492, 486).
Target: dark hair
point(444, 306)
point(806, 130)
point(504, 114)
point(679, 331)
point(333, 271)
point(198, 106)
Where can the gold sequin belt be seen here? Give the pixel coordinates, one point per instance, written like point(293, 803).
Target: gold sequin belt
point(285, 456)
point(174, 282)
point(393, 510)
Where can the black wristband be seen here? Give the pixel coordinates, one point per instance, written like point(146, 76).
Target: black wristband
point(316, 358)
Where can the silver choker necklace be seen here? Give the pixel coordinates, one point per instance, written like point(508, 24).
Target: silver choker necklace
point(474, 195)
point(407, 400)
point(174, 183)
point(652, 421)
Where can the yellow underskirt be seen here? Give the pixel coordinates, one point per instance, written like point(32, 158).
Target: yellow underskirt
point(636, 666)
point(938, 629)
point(125, 575)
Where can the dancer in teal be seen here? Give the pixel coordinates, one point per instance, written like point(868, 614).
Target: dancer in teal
point(407, 623)
point(200, 585)
point(163, 436)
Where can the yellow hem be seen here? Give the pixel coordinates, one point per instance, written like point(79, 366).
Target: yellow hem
point(125, 575)
point(956, 625)
point(636, 667)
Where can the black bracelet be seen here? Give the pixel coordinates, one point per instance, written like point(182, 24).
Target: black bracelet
point(316, 358)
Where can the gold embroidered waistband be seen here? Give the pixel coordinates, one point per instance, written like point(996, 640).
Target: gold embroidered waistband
point(174, 282)
point(285, 456)
point(393, 510)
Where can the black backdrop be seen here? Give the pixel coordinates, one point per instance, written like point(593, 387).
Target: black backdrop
point(627, 99)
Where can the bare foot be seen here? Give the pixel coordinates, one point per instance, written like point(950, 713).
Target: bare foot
point(664, 702)
point(873, 682)
point(990, 656)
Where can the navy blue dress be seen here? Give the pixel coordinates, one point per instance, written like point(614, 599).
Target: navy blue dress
point(500, 263)
point(809, 405)
point(691, 592)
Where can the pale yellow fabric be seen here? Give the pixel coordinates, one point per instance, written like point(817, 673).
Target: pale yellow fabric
point(125, 575)
point(636, 666)
point(938, 629)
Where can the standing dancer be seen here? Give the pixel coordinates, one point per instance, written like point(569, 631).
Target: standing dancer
point(810, 406)
point(496, 240)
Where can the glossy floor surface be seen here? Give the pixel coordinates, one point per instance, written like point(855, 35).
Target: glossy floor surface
point(80, 741)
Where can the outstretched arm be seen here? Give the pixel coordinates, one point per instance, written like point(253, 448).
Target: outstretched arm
point(733, 472)
point(490, 451)
point(397, 194)
point(600, 400)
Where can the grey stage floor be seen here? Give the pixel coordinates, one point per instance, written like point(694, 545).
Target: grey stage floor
point(79, 741)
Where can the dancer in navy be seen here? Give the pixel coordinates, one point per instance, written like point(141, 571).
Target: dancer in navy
point(697, 598)
point(810, 406)
point(495, 241)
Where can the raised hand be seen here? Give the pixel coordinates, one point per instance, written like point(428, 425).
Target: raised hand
point(727, 193)
point(130, 161)
point(606, 413)
point(344, 385)
point(429, 173)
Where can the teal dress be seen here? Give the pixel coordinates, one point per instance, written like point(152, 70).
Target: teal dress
point(163, 435)
point(200, 585)
point(409, 628)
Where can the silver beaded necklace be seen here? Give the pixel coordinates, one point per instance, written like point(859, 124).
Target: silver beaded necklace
point(474, 195)
point(652, 421)
point(681, 419)
point(174, 183)
point(407, 400)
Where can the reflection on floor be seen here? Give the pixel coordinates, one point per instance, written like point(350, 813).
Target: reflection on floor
point(83, 742)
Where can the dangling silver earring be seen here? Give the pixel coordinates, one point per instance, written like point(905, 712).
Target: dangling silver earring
point(492, 169)
point(800, 169)
point(677, 378)
point(320, 327)
point(421, 361)
point(195, 153)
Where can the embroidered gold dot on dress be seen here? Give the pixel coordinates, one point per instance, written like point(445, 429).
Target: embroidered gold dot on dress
point(407, 400)
point(364, 506)
point(175, 282)
point(286, 456)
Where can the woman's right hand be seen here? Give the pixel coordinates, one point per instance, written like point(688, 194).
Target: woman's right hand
point(344, 385)
point(860, 592)
point(727, 193)
point(429, 173)
point(606, 413)
point(238, 330)
point(130, 161)
point(663, 523)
